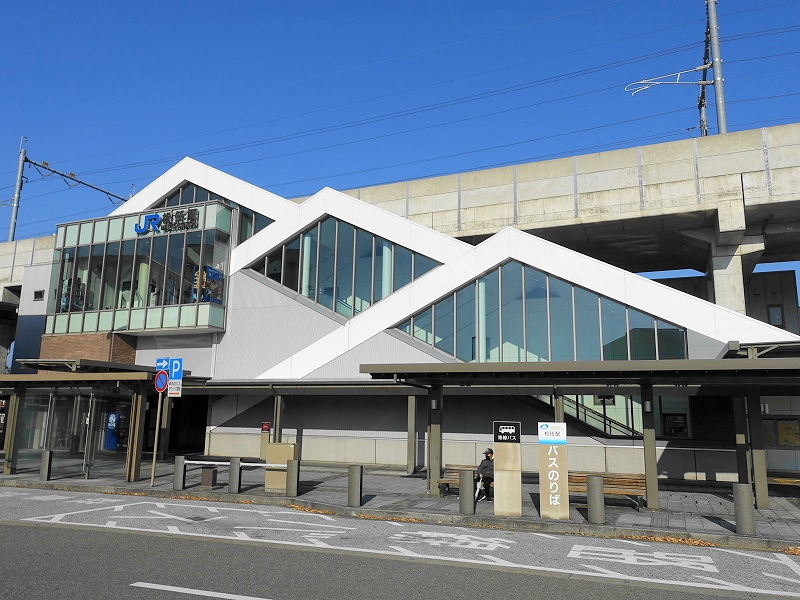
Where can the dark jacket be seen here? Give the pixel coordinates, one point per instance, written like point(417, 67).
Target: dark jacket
point(486, 468)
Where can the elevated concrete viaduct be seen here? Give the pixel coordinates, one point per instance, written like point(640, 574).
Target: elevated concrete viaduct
point(718, 204)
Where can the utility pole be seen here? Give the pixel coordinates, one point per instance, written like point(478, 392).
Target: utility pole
point(23, 160)
point(711, 53)
point(716, 62)
point(17, 191)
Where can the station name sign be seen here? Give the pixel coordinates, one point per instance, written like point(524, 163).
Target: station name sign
point(182, 219)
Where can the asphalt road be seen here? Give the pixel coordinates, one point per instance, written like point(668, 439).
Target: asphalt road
point(84, 546)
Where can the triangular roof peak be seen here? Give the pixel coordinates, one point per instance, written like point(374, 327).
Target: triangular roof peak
point(214, 180)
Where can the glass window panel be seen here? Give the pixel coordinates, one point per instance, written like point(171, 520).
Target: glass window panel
point(215, 255)
point(106, 321)
point(210, 219)
point(65, 284)
point(363, 267)
point(216, 316)
point(153, 318)
point(536, 323)
point(85, 235)
point(129, 227)
point(275, 264)
point(788, 432)
point(79, 282)
point(245, 224)
point(75, 323)
point(383, 269)
point(120, 320)
point(124, 283)
point(327, 249)
point(90, 322)
point(201, 195)
point(174, 199)
point(444, 324)
point(61, 324)
point(223, 220)
point(260, 223)
point(643, 335)
point(93, 280)
point(422, 264)
point(202, 315)
point(60, 237)
point(511, 308)
point(170, 316)
point(308, 270)
point(107, 297)
point(587, 325)
point(114, 229)
point(158, 264)
point(49, 324)
point(402, 267)
point(187, 194)
point(141, 273)
point(615, 330)
point(561, 325)
point(465, 324)
point(188, 316)
point(423, 326)
point(137, 318)
point(406, 327)
point(72, 236)
point(291, 264)
point(344, 270)
point(100, 232)
point(489, 318)
point(192, 277)
point(172, 285)
point(671, 341)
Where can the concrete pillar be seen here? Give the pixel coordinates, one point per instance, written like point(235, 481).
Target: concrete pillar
point(47, 465)
point(757, 452)
point(466, 495)
point(596, 499)
point(729, 266)
point(13, 421)
point(435, 397)
point(649, 434)
point(292, 478)
point(355, 485)
point(411, 446)
point(235, 476)
point(179, 475)
point(277, 420)
point(743, 509)
point(740, 427)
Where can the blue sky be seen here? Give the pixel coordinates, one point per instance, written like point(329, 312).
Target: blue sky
point(294, 96)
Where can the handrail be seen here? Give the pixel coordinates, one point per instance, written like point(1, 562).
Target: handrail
point(605, 419)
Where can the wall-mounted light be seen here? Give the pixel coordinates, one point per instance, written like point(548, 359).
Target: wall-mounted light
point(647, 406)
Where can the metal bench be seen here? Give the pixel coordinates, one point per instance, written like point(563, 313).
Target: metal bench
point(210, 464)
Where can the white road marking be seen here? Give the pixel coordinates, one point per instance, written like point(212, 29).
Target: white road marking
point(397, 551)
point(194, 592)
point(395, 524)
point(628, 542)
point(782, 577)
point(545, 535)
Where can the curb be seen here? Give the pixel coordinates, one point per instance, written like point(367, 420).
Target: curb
point(500, 523)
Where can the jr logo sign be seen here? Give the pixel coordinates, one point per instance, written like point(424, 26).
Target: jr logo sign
point(151, 221)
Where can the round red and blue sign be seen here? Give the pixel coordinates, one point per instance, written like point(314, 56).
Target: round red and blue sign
point(161, 381)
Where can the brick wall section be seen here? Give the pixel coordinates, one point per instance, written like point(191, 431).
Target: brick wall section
point(90, 346)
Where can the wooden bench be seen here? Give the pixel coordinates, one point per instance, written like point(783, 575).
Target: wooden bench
point(451, 476)
point(614, 484)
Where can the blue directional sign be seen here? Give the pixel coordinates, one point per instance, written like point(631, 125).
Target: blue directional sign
point(162, 364)
point(175, 369)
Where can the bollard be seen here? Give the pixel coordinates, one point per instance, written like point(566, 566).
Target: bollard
point(292, 478)
point(743, 509)
point(235, 476)
point(179, 479)
point(355, 481)
point(596, 499)
point(466, 493)
point(47, 465)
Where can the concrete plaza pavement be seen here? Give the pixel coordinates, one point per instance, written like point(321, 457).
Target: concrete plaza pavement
point(701, 511)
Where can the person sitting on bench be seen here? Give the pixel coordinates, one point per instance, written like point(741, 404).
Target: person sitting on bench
point(486, 475)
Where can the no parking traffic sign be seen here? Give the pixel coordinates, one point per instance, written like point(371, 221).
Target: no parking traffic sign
point(161, 381)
